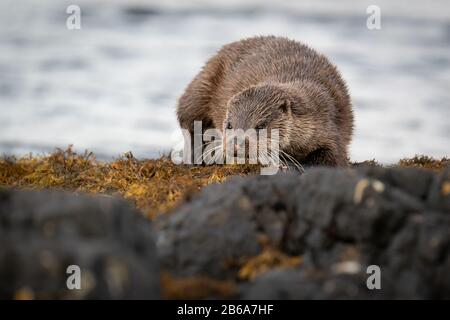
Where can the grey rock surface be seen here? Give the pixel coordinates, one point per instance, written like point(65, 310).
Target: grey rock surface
point(42, 233)
point(339, 221)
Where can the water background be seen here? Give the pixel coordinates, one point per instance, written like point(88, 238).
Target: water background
point(112, 86)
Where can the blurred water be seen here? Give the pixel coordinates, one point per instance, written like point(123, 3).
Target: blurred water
point(112, 86)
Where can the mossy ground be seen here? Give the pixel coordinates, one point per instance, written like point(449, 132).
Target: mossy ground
point(155, 186)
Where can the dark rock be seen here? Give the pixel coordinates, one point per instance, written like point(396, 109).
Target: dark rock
point(294, 284)
point(42, 233)
point(414, 181)
point(208, 235)
point(439, 195)
point(340, 221)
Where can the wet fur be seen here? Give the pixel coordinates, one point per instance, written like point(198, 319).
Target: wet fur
point(281, 82)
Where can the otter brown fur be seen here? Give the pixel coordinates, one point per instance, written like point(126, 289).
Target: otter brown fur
point(272, 82)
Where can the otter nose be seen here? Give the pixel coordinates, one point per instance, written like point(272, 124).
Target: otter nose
point(237, 149)
point(242, 148)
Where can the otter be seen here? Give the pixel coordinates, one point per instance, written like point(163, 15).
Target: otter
point(274, 82)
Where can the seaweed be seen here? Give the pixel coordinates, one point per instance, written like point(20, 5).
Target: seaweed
point(196, 287)
point(426, 162)
point(154, 185)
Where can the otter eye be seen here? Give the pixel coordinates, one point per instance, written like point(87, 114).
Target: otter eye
point(285, 105)
point(229, 126)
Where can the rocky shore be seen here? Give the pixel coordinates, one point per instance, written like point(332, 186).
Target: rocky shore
point(287, 236)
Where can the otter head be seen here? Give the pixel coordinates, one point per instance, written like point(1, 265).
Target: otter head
point(267, 106)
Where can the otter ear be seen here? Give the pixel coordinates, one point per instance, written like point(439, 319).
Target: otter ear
point(285, 105)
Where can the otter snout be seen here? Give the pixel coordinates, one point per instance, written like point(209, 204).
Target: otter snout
point(243, 149)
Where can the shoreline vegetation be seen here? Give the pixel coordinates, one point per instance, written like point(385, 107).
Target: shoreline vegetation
point(154, 186)
point(157, 186)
